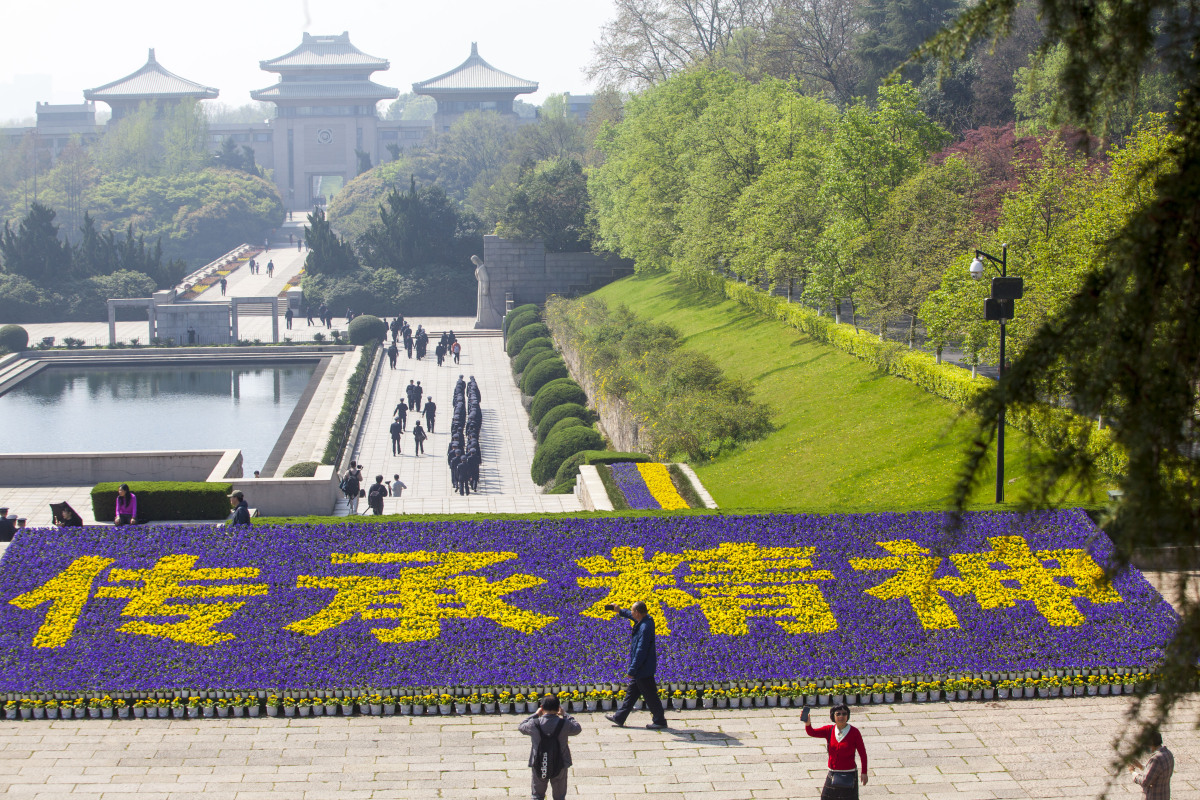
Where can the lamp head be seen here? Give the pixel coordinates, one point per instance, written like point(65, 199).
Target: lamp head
point(976, 269)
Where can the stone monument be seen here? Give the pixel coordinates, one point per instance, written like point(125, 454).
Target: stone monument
point(486, 315)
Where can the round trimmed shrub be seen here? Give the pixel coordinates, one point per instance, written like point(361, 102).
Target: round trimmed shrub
point(568, 471)
point(527, 353)
point(13, 339)
point(562, 412)
point(538, 358)
point(537, 376)
point(524, 336)
point(366, 329)
point(515, 323)
point(567, 422)
point(303, 469)
point(560, 446)
point(555, 393)
point(517, 311)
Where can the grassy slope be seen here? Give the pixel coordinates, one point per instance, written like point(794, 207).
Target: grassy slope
point(847, 437)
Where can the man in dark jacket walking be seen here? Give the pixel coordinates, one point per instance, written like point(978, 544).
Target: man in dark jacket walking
point(643, 662)
point(550, 720)
point(419, 438)
point(430, 413)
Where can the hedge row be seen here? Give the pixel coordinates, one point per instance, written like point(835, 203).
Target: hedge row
point(1045, 423)
point(354, 390)
point(162, 501)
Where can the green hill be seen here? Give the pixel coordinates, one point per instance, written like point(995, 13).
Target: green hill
point(847, 438)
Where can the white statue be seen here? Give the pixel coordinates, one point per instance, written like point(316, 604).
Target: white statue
point(485, 313)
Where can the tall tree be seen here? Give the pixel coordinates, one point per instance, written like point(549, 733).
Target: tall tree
point(34, 250)
point(419, 228)
point(328, 254)
point(815, 40)
point(550, 203)
point(894, 31)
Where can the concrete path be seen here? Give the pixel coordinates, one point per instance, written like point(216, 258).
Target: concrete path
point(505, 440)
point(932, 751)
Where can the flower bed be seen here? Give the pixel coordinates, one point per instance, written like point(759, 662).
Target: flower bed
point(647, 486)
point(745, 603)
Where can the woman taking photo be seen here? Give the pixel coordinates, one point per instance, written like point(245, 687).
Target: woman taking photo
point(842, 740)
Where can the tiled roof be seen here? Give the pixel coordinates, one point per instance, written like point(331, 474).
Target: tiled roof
point(324, 51)
point(474, 74)
point(151, 81)
point(320, 90)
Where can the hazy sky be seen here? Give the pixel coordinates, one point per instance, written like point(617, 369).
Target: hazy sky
point(52, 51)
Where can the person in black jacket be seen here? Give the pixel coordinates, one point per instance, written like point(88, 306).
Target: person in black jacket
point(550, 720)
point(241, 509)
point(643, 662)
point(430, 413)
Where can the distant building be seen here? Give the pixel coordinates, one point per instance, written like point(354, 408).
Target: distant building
point(474, 85)
point(326, 127)
point(150, 84)
point(578, 105)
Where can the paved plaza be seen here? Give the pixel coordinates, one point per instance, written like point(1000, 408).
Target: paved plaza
point(931, 751)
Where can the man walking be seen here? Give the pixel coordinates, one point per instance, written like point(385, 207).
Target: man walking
point(643, 662)
point(393, 353)
point(549, 750)
point(1155, 778)
point(288, 316)
point(419, 438)
point(398, 487)
point(375, 495)
point(430, 413)
point(270, 268)
point(224, 283)
point(401, 414)
point(396, 429)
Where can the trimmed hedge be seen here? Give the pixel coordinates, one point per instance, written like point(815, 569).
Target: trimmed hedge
point(1045, 423)
point(537, 358)
point(354, 390)
point(160, 501)
point(13, 339)
point(303, 469)
point(562, 412)
point(366, 328)
point(555, 393)
point(560, 446)
point(568, 422)
point(524, 336)
point(522, 359)
point(517, 311)
point(546, 370)
point(514, 322)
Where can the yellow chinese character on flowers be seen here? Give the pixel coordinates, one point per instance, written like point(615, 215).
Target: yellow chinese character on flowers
point(1009, 572)
point(743, 580)
point(165, 581)
point(629, 576)
point(1035, 581)
point(734, 582)
point(429, 588)
point(915, 568)
point(68, 593)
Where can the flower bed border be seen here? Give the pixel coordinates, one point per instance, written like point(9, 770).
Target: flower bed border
point(448, 701)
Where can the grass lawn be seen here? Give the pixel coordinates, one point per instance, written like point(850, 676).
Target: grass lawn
point(847, 438)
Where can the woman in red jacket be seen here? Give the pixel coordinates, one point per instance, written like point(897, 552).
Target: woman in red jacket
point(842, 740)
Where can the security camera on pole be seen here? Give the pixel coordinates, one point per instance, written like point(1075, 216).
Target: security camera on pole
point(999, 307)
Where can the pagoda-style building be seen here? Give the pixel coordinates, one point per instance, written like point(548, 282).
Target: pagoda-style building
point(325, 102)
point(474, 85)
point(150, 84)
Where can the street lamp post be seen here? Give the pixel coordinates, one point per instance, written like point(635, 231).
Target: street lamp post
point(999, 307)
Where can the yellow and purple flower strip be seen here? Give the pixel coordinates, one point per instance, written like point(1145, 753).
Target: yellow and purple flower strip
point(658, 481)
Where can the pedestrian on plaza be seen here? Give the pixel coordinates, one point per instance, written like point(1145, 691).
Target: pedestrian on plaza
point(440, 352)
point(456, 349)
point(241, 509)
point(300, 245)
point(643, 663)
point(398, 486)
point(291, 240)
point(287, 318)
point(417, 392)
point(396, 429)
point(270, 268)
point(267, 244)
point(401, 414)
point(350, 485)
point(393, 353)
point(307, 311)
point(419, 438)
point(375, 496)
point(430, 413)
point(349, 314)
point(549, 750)
point(1155, 776)
point(224, 283)
point(408, 343)
point(126, 511)
point(843, 741)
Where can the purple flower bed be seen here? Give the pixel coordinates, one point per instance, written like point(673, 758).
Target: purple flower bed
point(631, 483)
point(872, 636)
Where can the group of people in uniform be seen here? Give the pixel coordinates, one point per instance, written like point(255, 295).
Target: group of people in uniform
point(463, 455)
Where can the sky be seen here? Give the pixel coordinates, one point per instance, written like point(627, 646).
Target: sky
point(52, 51)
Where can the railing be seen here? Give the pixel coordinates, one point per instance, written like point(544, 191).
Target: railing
point(212, 266)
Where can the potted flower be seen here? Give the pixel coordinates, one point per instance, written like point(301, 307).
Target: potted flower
point(347, 705)
point(445, 704)
point(289, 706)
point(690, 697)
point(52, 709)
point(304, 706)
point(406, 704)
point(106, 707)
point(39, 709)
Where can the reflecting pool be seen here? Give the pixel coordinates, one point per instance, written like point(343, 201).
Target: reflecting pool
point(97, 409)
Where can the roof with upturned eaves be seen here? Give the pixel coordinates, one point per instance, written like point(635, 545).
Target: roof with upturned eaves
point(151, 82)
point(323, 90)
point(324, 51)
point(474, 75)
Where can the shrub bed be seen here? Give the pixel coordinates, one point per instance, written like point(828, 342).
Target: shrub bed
point(555, 393)
point(541, 373)
point(558, 447)
point(562, 412)
point(366, 328)
point(514, 322)
point(13, 339)
point(524, 336)
point(303, 469)
point(165, 500)
point(354, 390)
point(531, 349)
point(516, 312)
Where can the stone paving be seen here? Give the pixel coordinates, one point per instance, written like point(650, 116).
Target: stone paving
point(931, 751)
point(505, 440)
